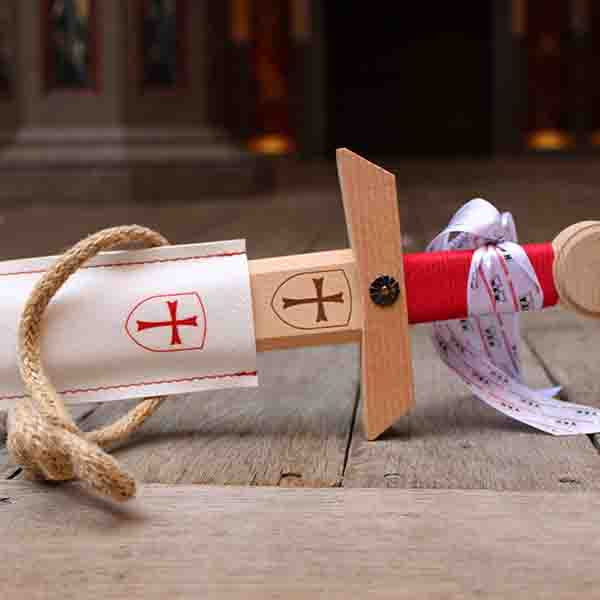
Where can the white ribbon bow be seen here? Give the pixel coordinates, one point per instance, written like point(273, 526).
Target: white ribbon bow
point(484, 349)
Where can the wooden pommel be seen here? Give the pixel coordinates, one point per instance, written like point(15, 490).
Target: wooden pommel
point(577, 267)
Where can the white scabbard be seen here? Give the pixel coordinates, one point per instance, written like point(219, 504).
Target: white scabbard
point(138, 323)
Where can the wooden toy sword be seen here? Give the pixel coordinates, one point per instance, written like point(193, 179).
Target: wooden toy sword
point(190, 318)
point(154, 312)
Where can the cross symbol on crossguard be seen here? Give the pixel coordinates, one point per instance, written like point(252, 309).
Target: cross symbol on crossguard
point(319, 300)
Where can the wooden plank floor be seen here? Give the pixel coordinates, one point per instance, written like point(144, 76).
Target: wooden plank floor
point(213, 542)
point(453, 440)
point(300, 427)
point(514, 531)
point(292, 430)
point(567, 345)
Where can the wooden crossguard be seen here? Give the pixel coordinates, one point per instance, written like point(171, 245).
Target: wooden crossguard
point(341, 296)
point(323, 297)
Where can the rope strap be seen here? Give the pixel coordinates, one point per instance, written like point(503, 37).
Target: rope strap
point(42, 436)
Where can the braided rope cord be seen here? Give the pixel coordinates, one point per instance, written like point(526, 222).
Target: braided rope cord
point(42, 436)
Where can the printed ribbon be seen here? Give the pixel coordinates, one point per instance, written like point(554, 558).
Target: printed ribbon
point(483, 350)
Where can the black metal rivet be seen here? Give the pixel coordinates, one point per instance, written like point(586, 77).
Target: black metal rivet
point(384, 290)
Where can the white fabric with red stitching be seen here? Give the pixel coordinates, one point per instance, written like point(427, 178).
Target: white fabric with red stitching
point(483, 350)
point(136, 323)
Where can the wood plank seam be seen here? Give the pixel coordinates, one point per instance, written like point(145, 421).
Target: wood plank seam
point(594, 438)
point(351, 432)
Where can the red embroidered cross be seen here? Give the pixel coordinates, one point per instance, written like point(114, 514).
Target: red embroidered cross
point(174, 323)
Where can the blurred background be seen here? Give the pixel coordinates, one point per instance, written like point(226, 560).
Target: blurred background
point(219, 118)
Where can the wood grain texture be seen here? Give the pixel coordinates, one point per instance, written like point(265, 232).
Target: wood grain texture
point(314, 319)
point(371, 207)
point(294, 428)
point(453, 440)
point(190, 542)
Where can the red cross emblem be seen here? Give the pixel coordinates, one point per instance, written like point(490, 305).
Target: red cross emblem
point(184, 329)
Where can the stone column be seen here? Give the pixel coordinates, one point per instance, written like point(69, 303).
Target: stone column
point(121, 139)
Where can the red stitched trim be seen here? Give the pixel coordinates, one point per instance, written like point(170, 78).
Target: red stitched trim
point(133, 263)
point(128, 385)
